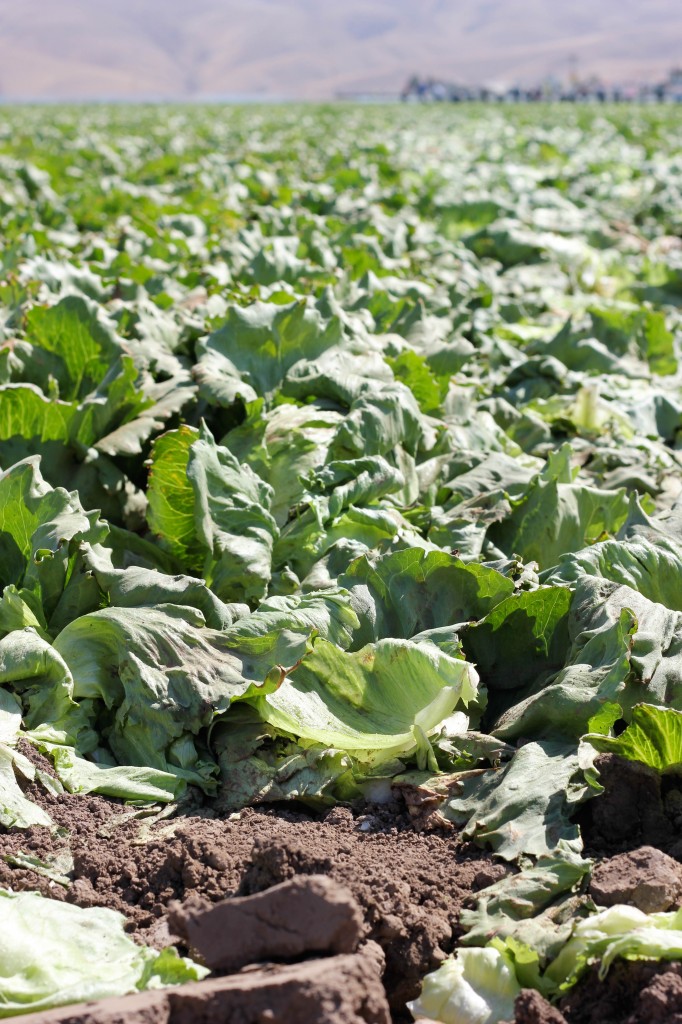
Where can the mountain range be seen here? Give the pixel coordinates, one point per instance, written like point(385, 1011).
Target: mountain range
point(316, 49)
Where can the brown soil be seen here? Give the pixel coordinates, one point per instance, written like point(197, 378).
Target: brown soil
point(631, 993)
point(532, 1008)
point(645, 878)
point(309, 914)
point(628, 830)
point(638, 808)
point(337, 990)
point(410, 886)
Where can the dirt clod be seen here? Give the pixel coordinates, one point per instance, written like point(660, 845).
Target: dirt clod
point(532, 1008)
point(335, 990)
point(645, 878)
point(630, 813)
point(661, 1000)
point(632, 993)
point(406, 910)
point(304, 915)
point(409, 886)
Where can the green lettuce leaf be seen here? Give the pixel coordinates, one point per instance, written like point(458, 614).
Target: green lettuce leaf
point(345, 501)
point(377, 704)
point(522, 639)
point(137, 586)
point(284, 445)
point(525, 807)
point(556, 517)
point(379, 421)
point(407, 592)
point(71, 345)
point(34, 670)
point(212, 513)
point(257, 767)
point(53, 954)
point(158, 676)
point(56, 724)
point(619, 931)
point(339, 374)
point(33, 424)
point(652, 568)
point(480, 985)
point(171, 496)
point(232, 521)
point(250, 354)
point(16, 810)
point(128, 782)
point(654, 737)
point(327, 613)
point(625, 649)
point(536, 907)
point(40, 528)
point(477, 986)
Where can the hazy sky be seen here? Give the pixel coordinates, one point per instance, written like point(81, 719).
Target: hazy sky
point(94, 49)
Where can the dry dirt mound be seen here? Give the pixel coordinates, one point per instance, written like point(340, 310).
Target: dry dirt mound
point(409, 886)
point(631, 993)
point(640, 807)
point(337, 990)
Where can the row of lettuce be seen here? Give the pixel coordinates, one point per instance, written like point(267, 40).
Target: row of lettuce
point(328, 480)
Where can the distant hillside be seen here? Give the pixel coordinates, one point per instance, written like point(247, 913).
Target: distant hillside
point(312, 49)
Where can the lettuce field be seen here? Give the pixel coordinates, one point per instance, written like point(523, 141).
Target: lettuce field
point(341, 535)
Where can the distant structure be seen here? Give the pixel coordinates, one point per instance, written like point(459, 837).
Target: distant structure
point(576, 90)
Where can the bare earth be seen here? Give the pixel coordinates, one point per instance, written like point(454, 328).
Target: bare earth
point(409, 888)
